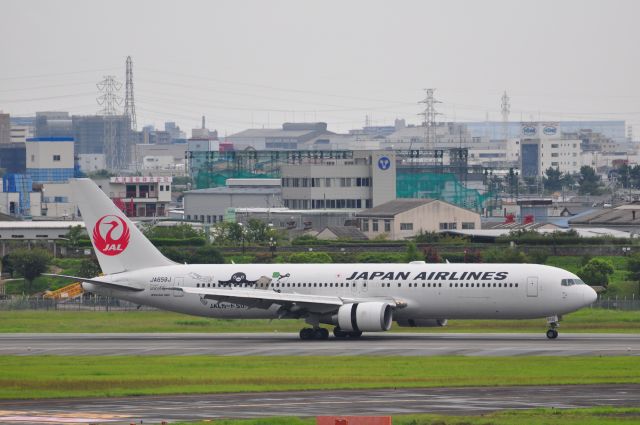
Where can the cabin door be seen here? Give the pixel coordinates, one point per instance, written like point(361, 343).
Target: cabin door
point(532, 287)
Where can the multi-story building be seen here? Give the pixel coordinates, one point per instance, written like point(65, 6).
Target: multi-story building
point(543, 146)
point(53, 124)
point(139, 196)
point(13, 157)
point(5, 129)
point(50, 159)
point(93, 131)
point(20, 133)
point(364, 179)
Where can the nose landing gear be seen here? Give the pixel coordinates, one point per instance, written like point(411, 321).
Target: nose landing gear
point(554, 323)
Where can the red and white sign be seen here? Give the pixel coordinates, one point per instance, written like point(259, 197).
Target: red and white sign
point(111, 235)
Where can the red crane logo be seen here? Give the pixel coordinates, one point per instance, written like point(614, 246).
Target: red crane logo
point(112, 240)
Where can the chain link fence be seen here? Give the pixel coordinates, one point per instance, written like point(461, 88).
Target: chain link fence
point(616, 303)
point(86, 303)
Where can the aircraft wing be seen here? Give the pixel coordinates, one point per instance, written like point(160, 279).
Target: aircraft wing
point(114, 285)
point(264, 299)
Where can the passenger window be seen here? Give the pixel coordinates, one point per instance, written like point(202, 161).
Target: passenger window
point(197, 285)
point(399, 284)
point(516, 285)
point(423, 285)
point(440, 285)
point(450, 285)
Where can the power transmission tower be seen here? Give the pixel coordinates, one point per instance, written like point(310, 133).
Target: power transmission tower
point(109, 100)
point(505, 107)
point(129, 103)
point(429, 115)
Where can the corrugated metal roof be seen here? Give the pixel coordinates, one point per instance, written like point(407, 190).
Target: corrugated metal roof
point(39, 224)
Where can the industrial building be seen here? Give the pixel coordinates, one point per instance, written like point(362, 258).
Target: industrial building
point(405, 218)
point(211, 205)
point(292, 136)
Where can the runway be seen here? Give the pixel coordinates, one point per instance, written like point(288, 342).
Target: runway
point(313, 403)
point(275, 344)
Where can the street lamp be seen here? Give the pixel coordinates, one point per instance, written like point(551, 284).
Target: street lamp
point(272, 246)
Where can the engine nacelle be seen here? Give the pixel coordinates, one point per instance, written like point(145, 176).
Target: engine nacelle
point(422, 323)
point(365, 317)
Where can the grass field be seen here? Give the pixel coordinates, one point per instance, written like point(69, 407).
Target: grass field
point(593, 416)
point(586, 320)
point(103, 376)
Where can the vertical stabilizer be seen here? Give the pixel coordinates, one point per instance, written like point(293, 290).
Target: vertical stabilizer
point(118, 243)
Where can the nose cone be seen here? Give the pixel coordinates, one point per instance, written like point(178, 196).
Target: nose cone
point(590, 296)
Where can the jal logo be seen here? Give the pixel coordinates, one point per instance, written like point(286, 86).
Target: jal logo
point(549, 131)
point(529, 131)
point(111, 235)
point(384, 163)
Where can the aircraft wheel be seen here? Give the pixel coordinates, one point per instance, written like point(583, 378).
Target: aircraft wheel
point(306, 333)
point(339, 333)
point(552, 334)
point(320, 333)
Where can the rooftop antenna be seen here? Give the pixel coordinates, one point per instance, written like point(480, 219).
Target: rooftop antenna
point(129, 103)
point(203, 126)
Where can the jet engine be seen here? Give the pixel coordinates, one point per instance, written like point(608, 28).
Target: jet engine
point(422, 323)
point(364, 317)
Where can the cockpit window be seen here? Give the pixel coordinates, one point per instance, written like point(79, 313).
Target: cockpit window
point(571, 282)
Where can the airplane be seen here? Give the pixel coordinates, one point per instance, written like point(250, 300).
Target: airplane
point(353, 298)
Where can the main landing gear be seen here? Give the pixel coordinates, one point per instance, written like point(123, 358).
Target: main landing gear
point(339, 333)
point(553, 322)
point(314, 333)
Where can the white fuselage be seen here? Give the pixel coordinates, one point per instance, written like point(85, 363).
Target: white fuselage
point(430, 291)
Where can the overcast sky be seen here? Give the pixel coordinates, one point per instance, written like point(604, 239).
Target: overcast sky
point(258, 63)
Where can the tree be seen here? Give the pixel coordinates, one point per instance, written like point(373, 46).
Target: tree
point(510, 255)
point(74, 235)
point(89, 267)
point(412, 253)
point(310, 257)
point(634, 266)
point(180, 231)
point(596, 272)
point(207, 255)
point(29, 264)
point(553, 180)
point(590, 182)
point(431, 255)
